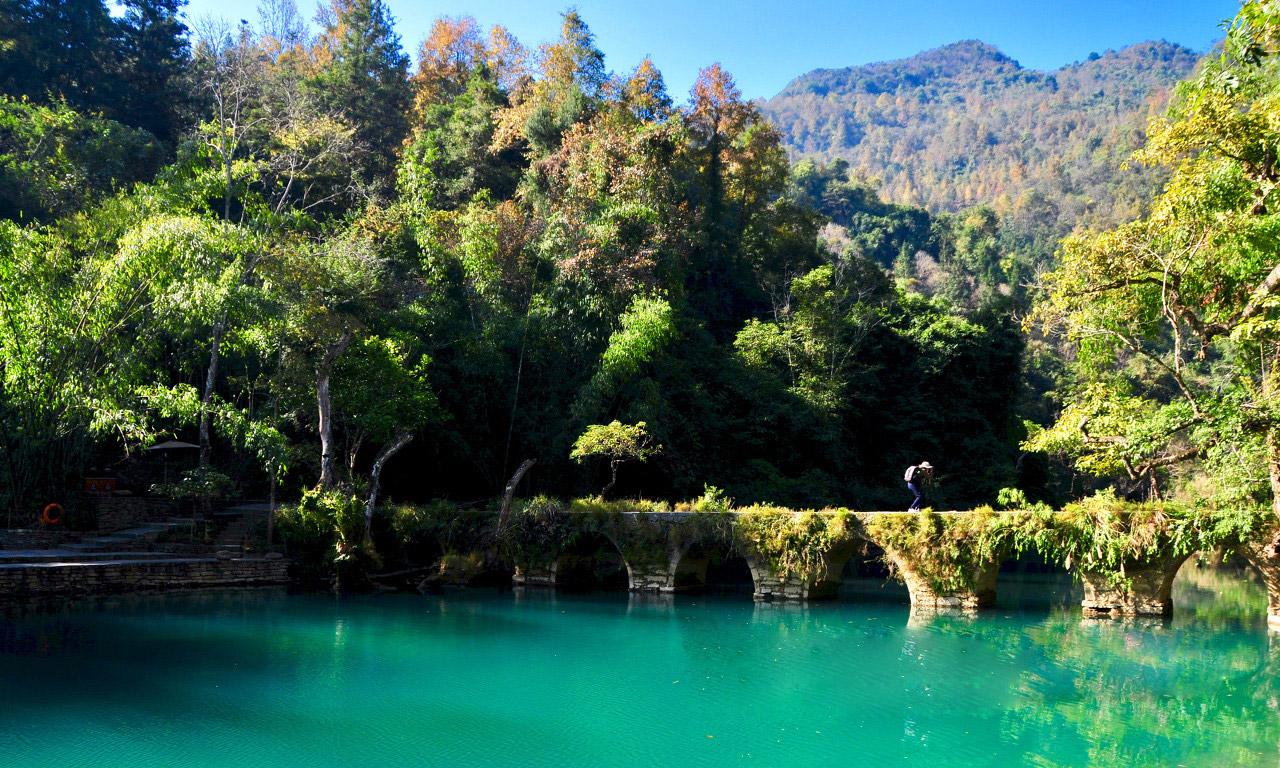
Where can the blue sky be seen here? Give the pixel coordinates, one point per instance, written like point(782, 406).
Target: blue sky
point(767, 43)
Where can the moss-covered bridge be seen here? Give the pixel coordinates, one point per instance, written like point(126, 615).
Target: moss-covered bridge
point(1126, 559)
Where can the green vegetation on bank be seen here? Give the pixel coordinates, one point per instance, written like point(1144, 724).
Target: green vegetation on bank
point(513, 271)
point(1100, 535)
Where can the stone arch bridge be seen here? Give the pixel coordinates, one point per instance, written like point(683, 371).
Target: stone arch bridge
point(665, 552)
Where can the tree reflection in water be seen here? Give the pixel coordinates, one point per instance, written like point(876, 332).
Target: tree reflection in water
point(1203, 686)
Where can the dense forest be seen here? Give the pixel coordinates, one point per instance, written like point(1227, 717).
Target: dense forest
point(288, 244)
point(965, 124)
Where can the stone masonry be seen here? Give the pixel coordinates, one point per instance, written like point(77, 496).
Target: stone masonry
point(1141, 588)
point(132, 575)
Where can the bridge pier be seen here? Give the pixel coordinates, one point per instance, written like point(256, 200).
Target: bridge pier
point(1140, 588)
point(770, 587)
point(542, 575)
point(648, 575)
point(927, 597)
point(1265, 557)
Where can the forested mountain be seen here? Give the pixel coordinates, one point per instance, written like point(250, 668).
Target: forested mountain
point(965, 124)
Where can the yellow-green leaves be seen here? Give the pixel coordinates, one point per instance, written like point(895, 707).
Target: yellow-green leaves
point(1172, 316)
point(615, 441)
point(645, 328)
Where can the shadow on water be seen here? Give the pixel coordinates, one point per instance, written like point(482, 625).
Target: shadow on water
point(1031, 583)
point(866, 579)
point(591, 563)
point(714, 570)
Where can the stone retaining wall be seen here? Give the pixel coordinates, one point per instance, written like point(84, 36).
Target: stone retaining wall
point(115, 513)
point(33, 538)
point(129, 576)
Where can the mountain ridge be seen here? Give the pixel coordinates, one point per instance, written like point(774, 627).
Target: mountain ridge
point(979, 50)
point(966, 124)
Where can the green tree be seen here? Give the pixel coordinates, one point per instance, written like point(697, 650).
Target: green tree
point(65, 49)
point(55, 161)
point(616, 442)
point(156, 57)
point(1172, 316)
point(362, 74)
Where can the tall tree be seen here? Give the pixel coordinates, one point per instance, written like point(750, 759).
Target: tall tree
point(1173, 316)
point(362, 74)
point(61, 48)
point(740, 170)
point(155, 60)
point(572, 83)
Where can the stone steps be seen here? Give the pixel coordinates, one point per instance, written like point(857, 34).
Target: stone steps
point(233, 535)
point(125, 539)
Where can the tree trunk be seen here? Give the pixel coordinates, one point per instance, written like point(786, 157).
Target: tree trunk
point(1273, 433)
point(613, 477)
point(353, 453)
point(1273, 468)
point(226, 195)
point(401, 439)
point(210, 381)
point(324, 371)
point(510, 491)
point(211, 375)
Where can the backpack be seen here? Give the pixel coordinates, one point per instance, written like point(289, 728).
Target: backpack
point(911, 473)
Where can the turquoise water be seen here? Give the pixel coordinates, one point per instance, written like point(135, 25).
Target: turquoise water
point(261, 678)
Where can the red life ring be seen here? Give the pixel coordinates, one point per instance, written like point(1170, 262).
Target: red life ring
point(51, 514)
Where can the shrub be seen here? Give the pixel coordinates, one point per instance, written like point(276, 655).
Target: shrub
point(327, 530)
point(536, 531)
point(1012, 498)
point(795, 544)
point(713, 499)
point(198, 483)
point(946, 550)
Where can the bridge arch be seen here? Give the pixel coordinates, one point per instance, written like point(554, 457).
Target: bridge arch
point(1032, 580)
point(1141, 588)
point(911, 569)
point(1265, 558)
point(1217, 574)
point(591, 560)
point(715, 566)
point(860, 572)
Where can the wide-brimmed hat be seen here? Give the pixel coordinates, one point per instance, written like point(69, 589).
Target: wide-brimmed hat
point(926, 465)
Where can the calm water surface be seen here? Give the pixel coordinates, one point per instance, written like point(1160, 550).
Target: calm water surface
point(261, 678)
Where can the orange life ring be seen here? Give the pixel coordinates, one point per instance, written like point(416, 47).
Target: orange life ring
point(51, 514)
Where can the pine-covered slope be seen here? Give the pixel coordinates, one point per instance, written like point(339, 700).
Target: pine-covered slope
point(965, 124)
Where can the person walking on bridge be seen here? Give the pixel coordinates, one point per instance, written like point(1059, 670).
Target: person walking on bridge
point(918, 478)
